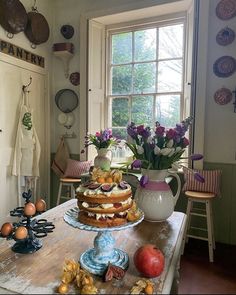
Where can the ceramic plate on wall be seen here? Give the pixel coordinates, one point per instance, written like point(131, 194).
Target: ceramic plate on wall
point(225, 36)
point(75, 78)
point(223, 96)
point(226, 9)
point(62, 118)
point(224, 66)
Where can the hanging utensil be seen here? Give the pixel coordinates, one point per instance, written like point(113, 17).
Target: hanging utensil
point(13, 16)
point(37, 29)
point(66, 100)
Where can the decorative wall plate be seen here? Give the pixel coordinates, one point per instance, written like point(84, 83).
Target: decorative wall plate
point(226, 9)
point(62, 118)
point(225, 36)
point(223, 96)
point(75, 78)
point(224, 66)
point(67, 31)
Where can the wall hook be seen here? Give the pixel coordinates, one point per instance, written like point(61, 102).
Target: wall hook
point(24, 87)
point(34, 7)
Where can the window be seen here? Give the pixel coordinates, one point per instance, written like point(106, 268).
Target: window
point(145, 75)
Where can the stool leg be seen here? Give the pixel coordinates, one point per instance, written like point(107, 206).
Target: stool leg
point(209, 231)
point(72, 191)
point(212, 226)
point(185, 239)
point(189, 210)
point(59, 194)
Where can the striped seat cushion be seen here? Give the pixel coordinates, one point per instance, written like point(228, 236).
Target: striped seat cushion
point(211, 184)
point(75, 168)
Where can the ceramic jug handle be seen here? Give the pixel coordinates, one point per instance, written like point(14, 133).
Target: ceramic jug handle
point(176, 196)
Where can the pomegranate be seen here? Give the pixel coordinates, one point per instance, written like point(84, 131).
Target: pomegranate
point(149, 260)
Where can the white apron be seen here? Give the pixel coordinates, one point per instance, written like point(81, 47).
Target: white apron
point(26, 152)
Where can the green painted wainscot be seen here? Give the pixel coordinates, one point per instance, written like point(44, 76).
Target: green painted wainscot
point(223, 206)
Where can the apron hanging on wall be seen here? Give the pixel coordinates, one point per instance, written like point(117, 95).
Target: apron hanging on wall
point(27, 150)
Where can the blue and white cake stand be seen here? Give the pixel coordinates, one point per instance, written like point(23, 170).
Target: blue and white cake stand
point(95, 260)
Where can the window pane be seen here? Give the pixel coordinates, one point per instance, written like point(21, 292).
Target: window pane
point(168, 110)
point(122, 48)
point(171, 41)
point(142, 110)
point(144, 77)
point(169, 76)
point(145, 45)
point(121, 79)
point(120, 113)
point(119, 133)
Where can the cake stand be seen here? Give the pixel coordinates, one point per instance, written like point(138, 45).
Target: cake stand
point(95, 260)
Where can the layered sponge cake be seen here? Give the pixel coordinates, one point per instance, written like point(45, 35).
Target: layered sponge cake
point(106, 200)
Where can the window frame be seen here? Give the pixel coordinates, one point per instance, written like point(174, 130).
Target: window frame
point(142, 24)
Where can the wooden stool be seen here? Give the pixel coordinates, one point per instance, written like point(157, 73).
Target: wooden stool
point(206, 198)
point(69, 183)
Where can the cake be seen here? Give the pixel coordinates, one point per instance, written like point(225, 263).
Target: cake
point(106, 200)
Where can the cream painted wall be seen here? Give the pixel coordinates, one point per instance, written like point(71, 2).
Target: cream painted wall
point(220, 121)
point(65, 12)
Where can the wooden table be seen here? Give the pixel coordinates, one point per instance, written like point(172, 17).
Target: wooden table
point(39, 273)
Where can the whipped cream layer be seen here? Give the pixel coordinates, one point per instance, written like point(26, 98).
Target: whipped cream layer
point(107, 206)
point(107, 215)
point(116, 190)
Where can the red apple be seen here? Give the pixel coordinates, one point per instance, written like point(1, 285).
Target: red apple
point(149, 261)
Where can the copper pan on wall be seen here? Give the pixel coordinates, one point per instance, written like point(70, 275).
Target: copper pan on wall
point(13, 16)
point(37, 29)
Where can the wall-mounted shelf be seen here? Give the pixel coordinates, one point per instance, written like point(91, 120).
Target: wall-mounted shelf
point(64, 51)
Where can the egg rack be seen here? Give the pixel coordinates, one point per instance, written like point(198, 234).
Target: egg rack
point(36, 228)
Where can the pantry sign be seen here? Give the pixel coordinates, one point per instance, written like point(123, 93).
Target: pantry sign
point(21, 53)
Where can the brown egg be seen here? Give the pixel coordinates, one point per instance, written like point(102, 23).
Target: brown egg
point(40, 205)
point(29, 209)
point(6, 229)
point(21, 233)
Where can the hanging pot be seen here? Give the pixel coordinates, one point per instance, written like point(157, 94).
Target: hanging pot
point(37, 29)
point(13, 16)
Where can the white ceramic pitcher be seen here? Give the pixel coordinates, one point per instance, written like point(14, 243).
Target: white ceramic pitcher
point(156, 199)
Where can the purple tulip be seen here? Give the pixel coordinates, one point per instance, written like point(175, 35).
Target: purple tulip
point(146, 132)
point(177, 138)
point(170, 134)
point(132, 130)
point(140, 129)
point(199, 177)
point(196, 157)
point(143, 180)
point(160, 131)
point(185, 142)
point(136, 164)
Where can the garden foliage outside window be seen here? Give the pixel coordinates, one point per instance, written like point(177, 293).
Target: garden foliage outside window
point(145, 76)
